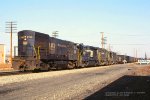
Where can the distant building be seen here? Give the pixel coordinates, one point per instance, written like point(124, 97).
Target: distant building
point(2, 53)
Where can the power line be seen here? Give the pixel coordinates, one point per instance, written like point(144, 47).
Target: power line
point(142, 34)
point(130, 44)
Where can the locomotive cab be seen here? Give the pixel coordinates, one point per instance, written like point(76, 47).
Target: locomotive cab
point(26, 44)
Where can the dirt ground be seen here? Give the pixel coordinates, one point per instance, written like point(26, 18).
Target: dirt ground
point(5, 67)
point(135, 86)
point(142, 71)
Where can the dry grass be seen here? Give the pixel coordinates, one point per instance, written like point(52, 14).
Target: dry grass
point(142, 71)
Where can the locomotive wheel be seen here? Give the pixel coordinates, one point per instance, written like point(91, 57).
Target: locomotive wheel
point(21, 70)
point(49, 68)
point(83, 65)
point(44, 66)
point(71, 65)
point(74, 65)
point(37, 70)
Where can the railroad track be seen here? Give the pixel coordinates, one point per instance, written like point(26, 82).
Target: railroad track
point(9, 73)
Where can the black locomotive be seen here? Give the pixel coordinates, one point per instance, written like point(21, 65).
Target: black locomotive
point(40, 51)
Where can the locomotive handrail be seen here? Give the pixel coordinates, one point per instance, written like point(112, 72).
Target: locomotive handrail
point(35, 51)
point(39, 52)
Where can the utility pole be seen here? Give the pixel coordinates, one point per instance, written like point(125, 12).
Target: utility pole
point(145, 56)
point(55, 34)
point(10, 27)
point(136, 55)
point(103, 40)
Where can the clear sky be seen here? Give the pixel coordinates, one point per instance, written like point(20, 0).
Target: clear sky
point(125, 23)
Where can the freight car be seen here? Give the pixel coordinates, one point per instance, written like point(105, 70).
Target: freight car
point(128, 59)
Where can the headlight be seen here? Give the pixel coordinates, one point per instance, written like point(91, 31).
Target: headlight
point(25, 43)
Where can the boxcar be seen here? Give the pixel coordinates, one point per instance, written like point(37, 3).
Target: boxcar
point(130, 59)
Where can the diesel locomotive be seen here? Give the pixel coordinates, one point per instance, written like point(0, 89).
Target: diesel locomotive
point(39, 51)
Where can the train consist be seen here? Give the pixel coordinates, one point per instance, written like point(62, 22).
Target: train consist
point(39, 51)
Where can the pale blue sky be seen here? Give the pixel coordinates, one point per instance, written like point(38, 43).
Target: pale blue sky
point(81, 21)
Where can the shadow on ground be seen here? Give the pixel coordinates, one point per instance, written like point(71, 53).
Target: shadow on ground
point(125, 88)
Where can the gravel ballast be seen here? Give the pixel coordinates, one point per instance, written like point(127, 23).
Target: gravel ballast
point(31, 76)
point(61, 85)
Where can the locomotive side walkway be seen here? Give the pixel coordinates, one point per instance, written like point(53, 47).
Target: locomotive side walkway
point(65, 84)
